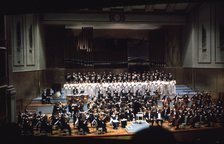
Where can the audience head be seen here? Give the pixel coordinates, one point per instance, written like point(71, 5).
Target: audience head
point(154, 134)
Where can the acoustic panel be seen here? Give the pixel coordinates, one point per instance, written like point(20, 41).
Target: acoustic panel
point(18, 42)
point(219, 41)
point(29, 36)
point(204, 33)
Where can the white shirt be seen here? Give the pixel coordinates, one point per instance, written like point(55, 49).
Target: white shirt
point(159, 116)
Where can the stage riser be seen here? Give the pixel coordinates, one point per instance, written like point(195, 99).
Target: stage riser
point(44, 109)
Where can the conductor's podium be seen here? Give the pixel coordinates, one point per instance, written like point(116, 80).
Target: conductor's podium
point(137, 126)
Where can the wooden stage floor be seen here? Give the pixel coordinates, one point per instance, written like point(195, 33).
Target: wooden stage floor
point(117, 133)
point(120, 133)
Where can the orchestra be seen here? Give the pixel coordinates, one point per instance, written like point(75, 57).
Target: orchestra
point(117, 99)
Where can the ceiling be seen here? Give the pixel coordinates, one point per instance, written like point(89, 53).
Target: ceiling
point(159, 8)
point(147, 7)
point(120, 14)
point(44, 6)
point(121, 26)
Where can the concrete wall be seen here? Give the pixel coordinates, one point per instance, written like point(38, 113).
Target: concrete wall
point(205, 64)
point(41, 46)
point(201, 38)
point(201, 70)
point(28, 85)
point(26, 42)
point(27, 61)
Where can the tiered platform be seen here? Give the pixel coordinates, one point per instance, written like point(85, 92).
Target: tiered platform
point(183, 89)
point(36, 105)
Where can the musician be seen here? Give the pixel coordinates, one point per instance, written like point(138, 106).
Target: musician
point(176, 119)
point(68, 77)
point(70, 107)
point(154, 100)
point(65, 124)
point(80, 121)
point(38, 119)
point(83, 123)
point(159, 118)
point(146, 115)
point(27, 127)
point(45, 125)
point(57, 108)
point(166, 112)
point(129, 114)
point(92, 77)
point(91, 118)
point(153, 114)
point(114, 121)
point(49, 93)
point(137, 107)
point(186, 99)
point(101, 122)
point(75, 90)
point(55, 120)
point(196, 118)
point(19, 119)
point(43, 97)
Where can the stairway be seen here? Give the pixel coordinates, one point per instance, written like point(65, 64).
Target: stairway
point(183, 89)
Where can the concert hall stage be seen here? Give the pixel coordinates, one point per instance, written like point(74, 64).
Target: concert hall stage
point(122, 132)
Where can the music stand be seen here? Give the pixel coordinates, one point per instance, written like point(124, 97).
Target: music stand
point(139, 117)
